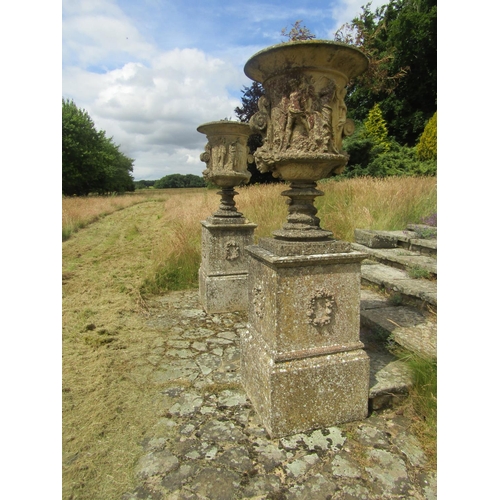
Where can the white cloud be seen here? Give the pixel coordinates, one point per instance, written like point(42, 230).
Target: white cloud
point(153, 112)
point(96, 32)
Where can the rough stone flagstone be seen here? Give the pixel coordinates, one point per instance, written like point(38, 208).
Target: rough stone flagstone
point(209, 443)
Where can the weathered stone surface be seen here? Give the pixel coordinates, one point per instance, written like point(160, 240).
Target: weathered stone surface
point(285, 248)
point(389, 471)
point(407, 326)
point(375, 239)
point(226, 155)
point(157, 462)
point(315, 488)
point(226, 436)
point(224, 266)
point(343, 466)
point(302, 362)
point(223, 293)
point(216, 483)
point(236, 458)
point(389, 380)
point(411, 448)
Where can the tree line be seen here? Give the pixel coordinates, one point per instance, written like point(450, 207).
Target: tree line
point(91, 162)
point(173, 181)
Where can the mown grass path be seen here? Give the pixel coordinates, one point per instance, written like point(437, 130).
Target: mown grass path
point(105, 341)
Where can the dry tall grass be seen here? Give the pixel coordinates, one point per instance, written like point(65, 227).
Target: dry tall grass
point(177, 258)
point(78, 212)
point(368, 203)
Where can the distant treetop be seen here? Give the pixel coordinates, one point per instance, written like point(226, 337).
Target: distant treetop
point(297, 32)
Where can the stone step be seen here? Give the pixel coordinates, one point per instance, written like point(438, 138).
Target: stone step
point(390, 379)
point(407, 326)
point(411, 239)
point(400, 258)
point(422, 291)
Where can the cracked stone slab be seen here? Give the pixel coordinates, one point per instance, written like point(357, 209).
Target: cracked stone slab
point(407, 326)
point(389, 470)
point(187, 405)
point(323, 439)
point(398, 280)
point(344, 467)
point(314, 488)
point(300, 466)
point(157, 462)
point(411, 448)
point(216, 483)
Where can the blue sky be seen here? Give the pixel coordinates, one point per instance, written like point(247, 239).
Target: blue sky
point(150, 72)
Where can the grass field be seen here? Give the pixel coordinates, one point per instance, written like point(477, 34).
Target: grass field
point(116, 252)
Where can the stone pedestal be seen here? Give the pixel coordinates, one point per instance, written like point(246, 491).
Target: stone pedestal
point(223, 273)
point(303, 365)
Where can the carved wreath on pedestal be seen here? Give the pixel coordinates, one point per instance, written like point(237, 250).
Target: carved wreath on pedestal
point(232, 250)
point(321, 308)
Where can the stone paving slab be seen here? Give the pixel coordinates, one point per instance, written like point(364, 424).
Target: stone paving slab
point(406, 326)
point(208, 442)
point(397, 280)
point(400, 258)
point(409, 239)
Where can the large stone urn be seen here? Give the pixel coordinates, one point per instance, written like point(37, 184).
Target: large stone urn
point(225, 234)
point(303, 365)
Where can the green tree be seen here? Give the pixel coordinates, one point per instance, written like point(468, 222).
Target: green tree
point(179, 181)
point(427, 144)
point(91, 162)
point(249, 106)
point(400, 39)
point(376, 128)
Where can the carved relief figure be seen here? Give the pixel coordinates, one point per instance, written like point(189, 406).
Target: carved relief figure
point(297, 117)
point(232, 250)
point(321, 309)
point(324, 131)
point(341, 117)
point(232, 157)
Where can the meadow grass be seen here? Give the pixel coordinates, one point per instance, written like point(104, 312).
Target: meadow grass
point(80, 211)
point(364, 203)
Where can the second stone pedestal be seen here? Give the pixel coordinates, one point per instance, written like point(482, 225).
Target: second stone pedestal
point(223, 272)
point(303, 365)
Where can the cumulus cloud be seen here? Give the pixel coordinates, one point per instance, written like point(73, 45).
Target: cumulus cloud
point(161, 106)
point(99, 33)
point(151, 107)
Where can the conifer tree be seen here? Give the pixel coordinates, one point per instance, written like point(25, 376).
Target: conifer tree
point(427, 145)
point(376, 128)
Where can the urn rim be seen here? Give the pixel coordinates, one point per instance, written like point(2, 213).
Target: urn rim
point(324, 54)
point(221, 127)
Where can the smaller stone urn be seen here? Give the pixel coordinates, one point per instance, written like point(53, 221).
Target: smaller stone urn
point(226, 155)
point(224, 263)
